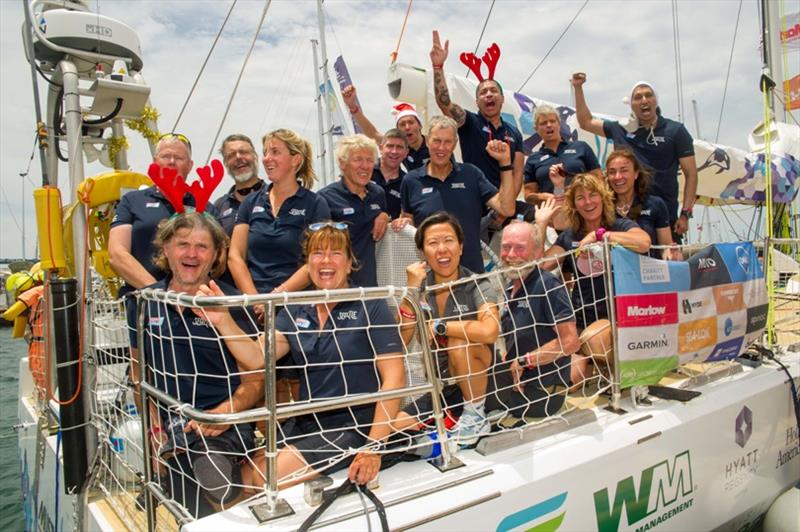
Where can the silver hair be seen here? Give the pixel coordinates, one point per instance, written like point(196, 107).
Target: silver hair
point(173, 140)
point(355, 142)
point(442, 122)
point(545, 110)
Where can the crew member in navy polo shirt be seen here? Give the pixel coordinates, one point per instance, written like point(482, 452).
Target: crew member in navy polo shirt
point(360, 203)
point(538, 326)
point(130, 241)
point(406, 120)
point(185, 358)
point(265, 247)
point(388, 172)
point(555, 156)
point(476, 130)
point(661, 144)
point(341, 349)
point(239, 157)
point(458, 188)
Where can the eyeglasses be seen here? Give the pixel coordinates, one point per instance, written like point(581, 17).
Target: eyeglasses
point(247, 190)
point(180, 137)
point(340, 226)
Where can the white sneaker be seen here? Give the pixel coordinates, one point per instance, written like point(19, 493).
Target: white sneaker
point(470, 427)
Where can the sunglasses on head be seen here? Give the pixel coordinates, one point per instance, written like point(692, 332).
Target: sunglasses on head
point(340, 226)
point(180, 137)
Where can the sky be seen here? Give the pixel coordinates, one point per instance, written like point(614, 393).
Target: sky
point(616, 43)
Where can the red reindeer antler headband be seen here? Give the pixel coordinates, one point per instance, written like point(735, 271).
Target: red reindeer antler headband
point(174, 187)
point(491, 57)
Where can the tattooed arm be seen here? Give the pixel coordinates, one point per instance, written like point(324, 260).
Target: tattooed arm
point(438, 57)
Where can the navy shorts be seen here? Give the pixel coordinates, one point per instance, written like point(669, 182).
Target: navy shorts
point(322, 450)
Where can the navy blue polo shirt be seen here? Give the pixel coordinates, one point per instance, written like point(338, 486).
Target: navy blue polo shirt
point(390, 188)
point(338, 358)
point(227, 208)
point(529, 322)
point(670, 142)
point(653, 215)
point(589, 294)
point(143, 210)
point(463, 300)
point(577, 157)
point(417, 158)
point(274, 242)
point(186, 357)
point(359, 214)
point(463, 194)
point(475, 134)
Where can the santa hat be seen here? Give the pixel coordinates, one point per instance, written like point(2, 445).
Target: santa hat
point(628, 99)
point(404, 109)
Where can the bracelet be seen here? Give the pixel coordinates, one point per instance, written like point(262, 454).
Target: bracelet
point(407, 314)
point(599, 232)
point(506, 168)
point(353, 110)
point(438, 67)
point(687, 213)
point(155, 430)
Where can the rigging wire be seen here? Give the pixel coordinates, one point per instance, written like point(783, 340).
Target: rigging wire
point(239, 78)
point(728, 74)
point(403, 30)
point(566, 29)
point(483, 30)
point(676, 45)
point(203, 67)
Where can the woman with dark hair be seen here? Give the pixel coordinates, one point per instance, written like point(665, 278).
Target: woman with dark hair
point(464, 321)
point(630, 183)
point(589, 208)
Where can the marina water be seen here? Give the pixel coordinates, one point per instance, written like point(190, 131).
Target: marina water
point(10, 505)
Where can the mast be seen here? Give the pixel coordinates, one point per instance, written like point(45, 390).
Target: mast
point(41, 131)
point(320, 122)
point(326, 83)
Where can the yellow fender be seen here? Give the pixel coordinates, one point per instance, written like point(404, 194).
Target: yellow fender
point(98, 195)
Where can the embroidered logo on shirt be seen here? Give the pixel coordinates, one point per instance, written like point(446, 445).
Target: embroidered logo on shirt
point(297, 212)
point(227, 212)
point(302, 323)
point(200, 322)
point(645, 212)
point(257, 209)
point(459, 185)
point(156, 321)
point(153, 205)
point(631, 135)
point(523, 304)
point(427, 190)
point(462, 308)
point(374, 207)
point(348, 315)
point(544, 158)
point(395, 193)
point(570, 151)
point(486, 129)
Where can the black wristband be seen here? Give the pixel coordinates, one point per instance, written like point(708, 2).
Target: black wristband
point(686, 213)
point(506, 168)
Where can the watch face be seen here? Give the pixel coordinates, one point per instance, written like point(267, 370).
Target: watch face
point(440, 328)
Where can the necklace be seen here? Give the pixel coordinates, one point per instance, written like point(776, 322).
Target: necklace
point(623, 210)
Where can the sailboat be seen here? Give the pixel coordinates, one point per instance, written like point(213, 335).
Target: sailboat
point(711, 450)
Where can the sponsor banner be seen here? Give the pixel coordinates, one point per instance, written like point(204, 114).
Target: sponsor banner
point(726, 350)
point(756, 319)
point(790, 31)
point(646, 371)
point(741, 261)
point(755, 292)
point(696, 304)
point(344, 79)
point(731, 325)
point(697, 335)
point(729, 298)
point(647, 310)
point(642, 343)
point(638, 274)
point(791, 88)
point(707, 268)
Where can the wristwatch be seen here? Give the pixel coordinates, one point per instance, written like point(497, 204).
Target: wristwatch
point(687, 213)
point(440, 327)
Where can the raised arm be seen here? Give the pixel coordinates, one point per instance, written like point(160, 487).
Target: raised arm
point(585, 119)
point(125, 264)
point(369, 129)
point(504, 202)
point(438, 57)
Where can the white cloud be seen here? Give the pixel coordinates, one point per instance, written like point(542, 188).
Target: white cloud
point(615, 42)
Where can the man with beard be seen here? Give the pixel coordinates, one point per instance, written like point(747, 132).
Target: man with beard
point(661, 144)
point(239, 157)
point(406, 120)
point(538, 325)
point(475, 130)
